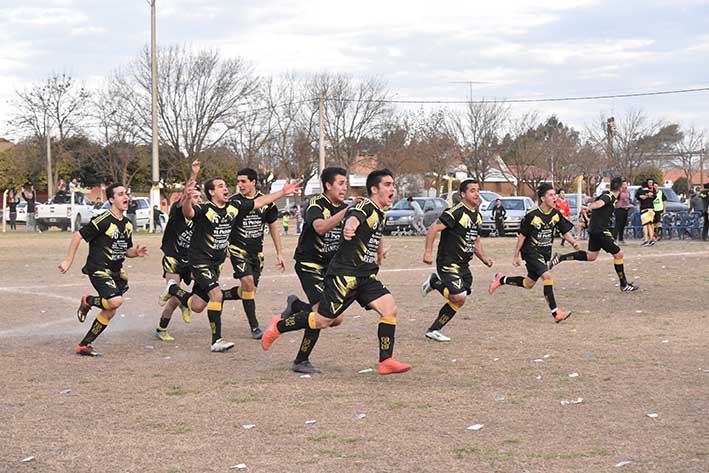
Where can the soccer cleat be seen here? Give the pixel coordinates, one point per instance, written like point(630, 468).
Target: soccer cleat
point(83, 310)
point(165, 295)
point(561, 316)
point(221, 346)
point(630, 287)
point(426, 287)
point(437, 336)
point(256, 333)
point(164, 336)
point(645, 243)
point(289, 306)
point(553, 261)
point(271, 334)
point(87, 350)
point(186, 314)
point(652, 242)
point(391, 366)
point(496, 282)
point(305, 367)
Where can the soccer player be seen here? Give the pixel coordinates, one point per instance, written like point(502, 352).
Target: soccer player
point(600, 236)
point(175, 263)
point(646, 196)
point(318, 243)
point(351, 276)
point(213, 221)
point(110, 240)
point(246, 247)
point(536, 236)
point(460, 227)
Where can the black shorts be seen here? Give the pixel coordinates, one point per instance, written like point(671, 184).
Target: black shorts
point(174, 265)
point(341, 291)
point(602, 241)
point(658, 217)
point(312, 279)
point(246, 264)
point(536, 265)
point(109, 284)
point(206, 278)
point(456, 278)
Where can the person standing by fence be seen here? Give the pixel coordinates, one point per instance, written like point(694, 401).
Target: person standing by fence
point(28, 194)
point(622, 207)
point(12, 201)
point(704, 195)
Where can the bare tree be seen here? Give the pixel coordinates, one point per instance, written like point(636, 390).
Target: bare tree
point(394, 145)
point(522, 155)
point(434, 148)
point(477, 130)
point(688, 149)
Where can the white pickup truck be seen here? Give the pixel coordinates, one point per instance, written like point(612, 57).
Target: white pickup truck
point(60, 211)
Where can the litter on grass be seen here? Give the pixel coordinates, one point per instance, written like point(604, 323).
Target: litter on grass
point(475, 427)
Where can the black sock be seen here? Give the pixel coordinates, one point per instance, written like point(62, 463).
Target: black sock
point(231, 294)
point(181, 294)
point(96, 328)
point(310, 337)
point(162, 326)
point(214, 313)
point(298, 321)
point(299, 306)
point(95, 301)
point(250, 309)
point(513, 281)
point(385, 332)
point(580, 255)
point(446, 313)
point(620, 271)
point(549, 295)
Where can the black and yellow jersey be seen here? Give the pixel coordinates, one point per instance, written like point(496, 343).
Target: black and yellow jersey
point(315, 248)
point(358, 256)
point(212, 226)
point(601, 217)
point(247, 234)
point(178, 234)
point(457, 244)
point(538, 229)
point(109, 238)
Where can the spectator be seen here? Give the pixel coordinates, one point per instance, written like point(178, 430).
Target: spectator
point(659, 205)
point(562, 205)
point(499, 213)
point(12, 201)
point(704, 195)
point(61, 187)
point(286, 220)
point(74, 185)
point(28, 194)
point(622, 207)
point(132, 211)
point(298, 219)
point(584, 219)
point(98, 203)
point(417, 220)
point(156, 219)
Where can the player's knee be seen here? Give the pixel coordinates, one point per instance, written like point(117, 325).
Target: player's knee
point(336, 322)
point(198, 305)
point(547, 276)
point(247, 284)
point(592, 256)
point(458, 299)
point(115, 302)
point(619, 255)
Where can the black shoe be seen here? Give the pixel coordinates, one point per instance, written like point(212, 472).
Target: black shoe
point(83, 309)
point(630, 288)
point(256, 333)
point(553, 261)
point(289, 306)
point(305, 367)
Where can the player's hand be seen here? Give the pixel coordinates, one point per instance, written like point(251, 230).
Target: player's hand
point(355, 201)
point(196, 166)
point(488, 261)
point(382, 256)
point(428, 257)
point(141, 251)
point(64, 266)
point(281, 263)
point(289, 188)
point(515, 261)
point(349, 232)
point(576, 245)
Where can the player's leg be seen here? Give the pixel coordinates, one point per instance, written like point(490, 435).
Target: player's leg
point(312, 282)
point(248, 300)
point(556, 313)
point(110, 288)
point(385, 306)
point(457, 283)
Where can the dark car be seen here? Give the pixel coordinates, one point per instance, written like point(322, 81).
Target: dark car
point(401, 215)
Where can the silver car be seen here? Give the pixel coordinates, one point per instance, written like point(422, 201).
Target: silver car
point(516, 207)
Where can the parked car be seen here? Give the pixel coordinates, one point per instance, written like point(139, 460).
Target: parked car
point(401, 215)
point(60, 211)
point(673, 203)
point(21, 213)
point(573, 200)
point(516, 207)
point(142, 214)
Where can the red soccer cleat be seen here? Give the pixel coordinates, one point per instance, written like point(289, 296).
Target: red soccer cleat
point(497, 282)
point(561, 316)
point(271, 334)
point(391, 366)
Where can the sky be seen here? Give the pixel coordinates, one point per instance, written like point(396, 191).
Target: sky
point(424, 50)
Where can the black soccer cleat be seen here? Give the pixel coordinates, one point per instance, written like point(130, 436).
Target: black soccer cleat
point(630, 288)
point(305, 367)
point(288, 311)
point(256, 333)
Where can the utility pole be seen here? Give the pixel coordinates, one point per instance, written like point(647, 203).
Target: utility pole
point(155, 188)
point(50, 180)
point(322, 135)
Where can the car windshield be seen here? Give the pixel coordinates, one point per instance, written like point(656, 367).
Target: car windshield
point(670, 194)
point(403, 204)
point(489, 196)
point(513, 204)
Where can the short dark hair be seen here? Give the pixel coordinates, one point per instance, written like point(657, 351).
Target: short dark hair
point(111, 188)
point(543, 188)
point(560, 190)
point(329, 174)
point(616, 183)
point(209, 186)
point(647, 181)
point(250, 174)
point(464, 185)
point(375, 177)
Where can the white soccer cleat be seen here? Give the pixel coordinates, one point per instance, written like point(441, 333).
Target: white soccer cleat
point(221, 346)
point(437, 336)
point(426, 287)
point(165, 295)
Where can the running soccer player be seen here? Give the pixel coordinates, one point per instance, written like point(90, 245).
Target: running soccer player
point(460, 227)
point(110, 239)
point(536, 236)
point(351, 276)
point(246, 247)
point(600, 236)
point(318, 243)
point(213, 221)
point(646, 196)
point(175, 263)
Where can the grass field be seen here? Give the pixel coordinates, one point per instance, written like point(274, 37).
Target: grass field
point(150, 406)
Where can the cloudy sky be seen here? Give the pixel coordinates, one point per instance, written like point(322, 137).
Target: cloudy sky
point(519, 49)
